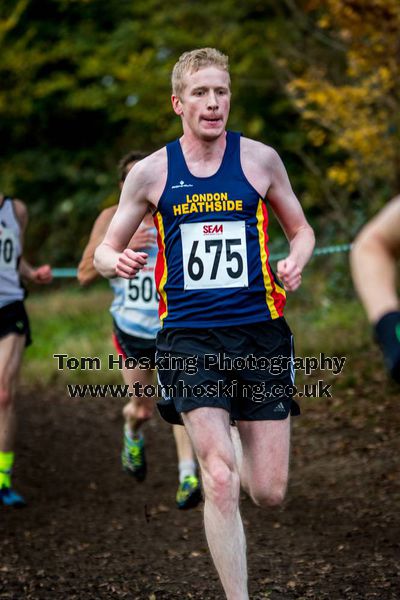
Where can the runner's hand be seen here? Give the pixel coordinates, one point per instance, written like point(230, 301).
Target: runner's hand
point(290, 274)
point(129, 263)
point(42, 275)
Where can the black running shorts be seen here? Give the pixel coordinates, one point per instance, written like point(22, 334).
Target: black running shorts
point(13, 319)
point(130, 346)
point(246, 370)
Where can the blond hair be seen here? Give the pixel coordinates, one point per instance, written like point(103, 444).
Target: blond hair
point(190, 62)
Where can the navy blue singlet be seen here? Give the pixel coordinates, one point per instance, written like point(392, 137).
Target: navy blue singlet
point(212, 265)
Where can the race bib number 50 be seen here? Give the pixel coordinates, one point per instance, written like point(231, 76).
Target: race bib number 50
point(214, 255)
point(8, 247)
point(140, 292)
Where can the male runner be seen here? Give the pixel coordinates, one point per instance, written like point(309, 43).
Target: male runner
point(219, 297)
point(136, 323)
point(373, 261)
point(14, 330)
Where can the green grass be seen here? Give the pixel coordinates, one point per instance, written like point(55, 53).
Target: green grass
point(69, 321)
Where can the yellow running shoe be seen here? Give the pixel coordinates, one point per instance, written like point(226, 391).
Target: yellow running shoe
point(189, 493)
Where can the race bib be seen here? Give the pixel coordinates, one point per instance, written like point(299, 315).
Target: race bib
point(214, 255)
point(8, 249)
point(141, 292)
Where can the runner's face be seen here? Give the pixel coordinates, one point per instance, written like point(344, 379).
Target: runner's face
point(204, 103)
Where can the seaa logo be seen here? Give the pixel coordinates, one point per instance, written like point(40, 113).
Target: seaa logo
point(209, 229)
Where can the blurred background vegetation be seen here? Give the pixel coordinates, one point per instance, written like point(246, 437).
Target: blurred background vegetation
point(85, 81)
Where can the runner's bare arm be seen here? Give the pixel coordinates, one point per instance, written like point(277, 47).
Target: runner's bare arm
point(373, 262)
point(290, 214)
point(21, 212)
point(86, 271)
point(42, 274)
point(113, 257)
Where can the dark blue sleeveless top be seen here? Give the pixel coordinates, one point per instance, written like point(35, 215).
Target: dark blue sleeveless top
point(212, 266)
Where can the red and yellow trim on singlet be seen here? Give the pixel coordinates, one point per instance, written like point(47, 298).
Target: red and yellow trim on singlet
point(275, 295)
point(161, 271)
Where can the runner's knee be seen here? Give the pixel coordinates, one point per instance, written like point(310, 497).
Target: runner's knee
point(269, 497)
point(6, 397)
point(144, 413)
point(221, 482)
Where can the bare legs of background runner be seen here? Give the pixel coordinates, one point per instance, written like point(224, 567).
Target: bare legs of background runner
point(11, 350)
point(136, 413)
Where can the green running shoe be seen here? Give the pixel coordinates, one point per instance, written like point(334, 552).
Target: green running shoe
point(189, 493)
point(134, 458)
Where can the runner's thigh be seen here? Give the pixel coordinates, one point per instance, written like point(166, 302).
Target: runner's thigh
point(266, 447)
point(11, 350)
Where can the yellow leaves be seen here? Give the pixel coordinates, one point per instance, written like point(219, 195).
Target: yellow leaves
point(350, 120)
point(316, 136)
point(324, 22)
point(384, 74)
point(346, 175)
point(357, 115)
point(370, 28)
point(317, 96)
point(365, 140)
point(353, 120)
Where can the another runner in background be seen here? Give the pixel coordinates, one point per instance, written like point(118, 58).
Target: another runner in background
point(136, 323)
point(14, 330)
point(374, 257)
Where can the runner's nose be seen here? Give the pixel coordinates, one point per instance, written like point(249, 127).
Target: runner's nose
point(212, 100)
